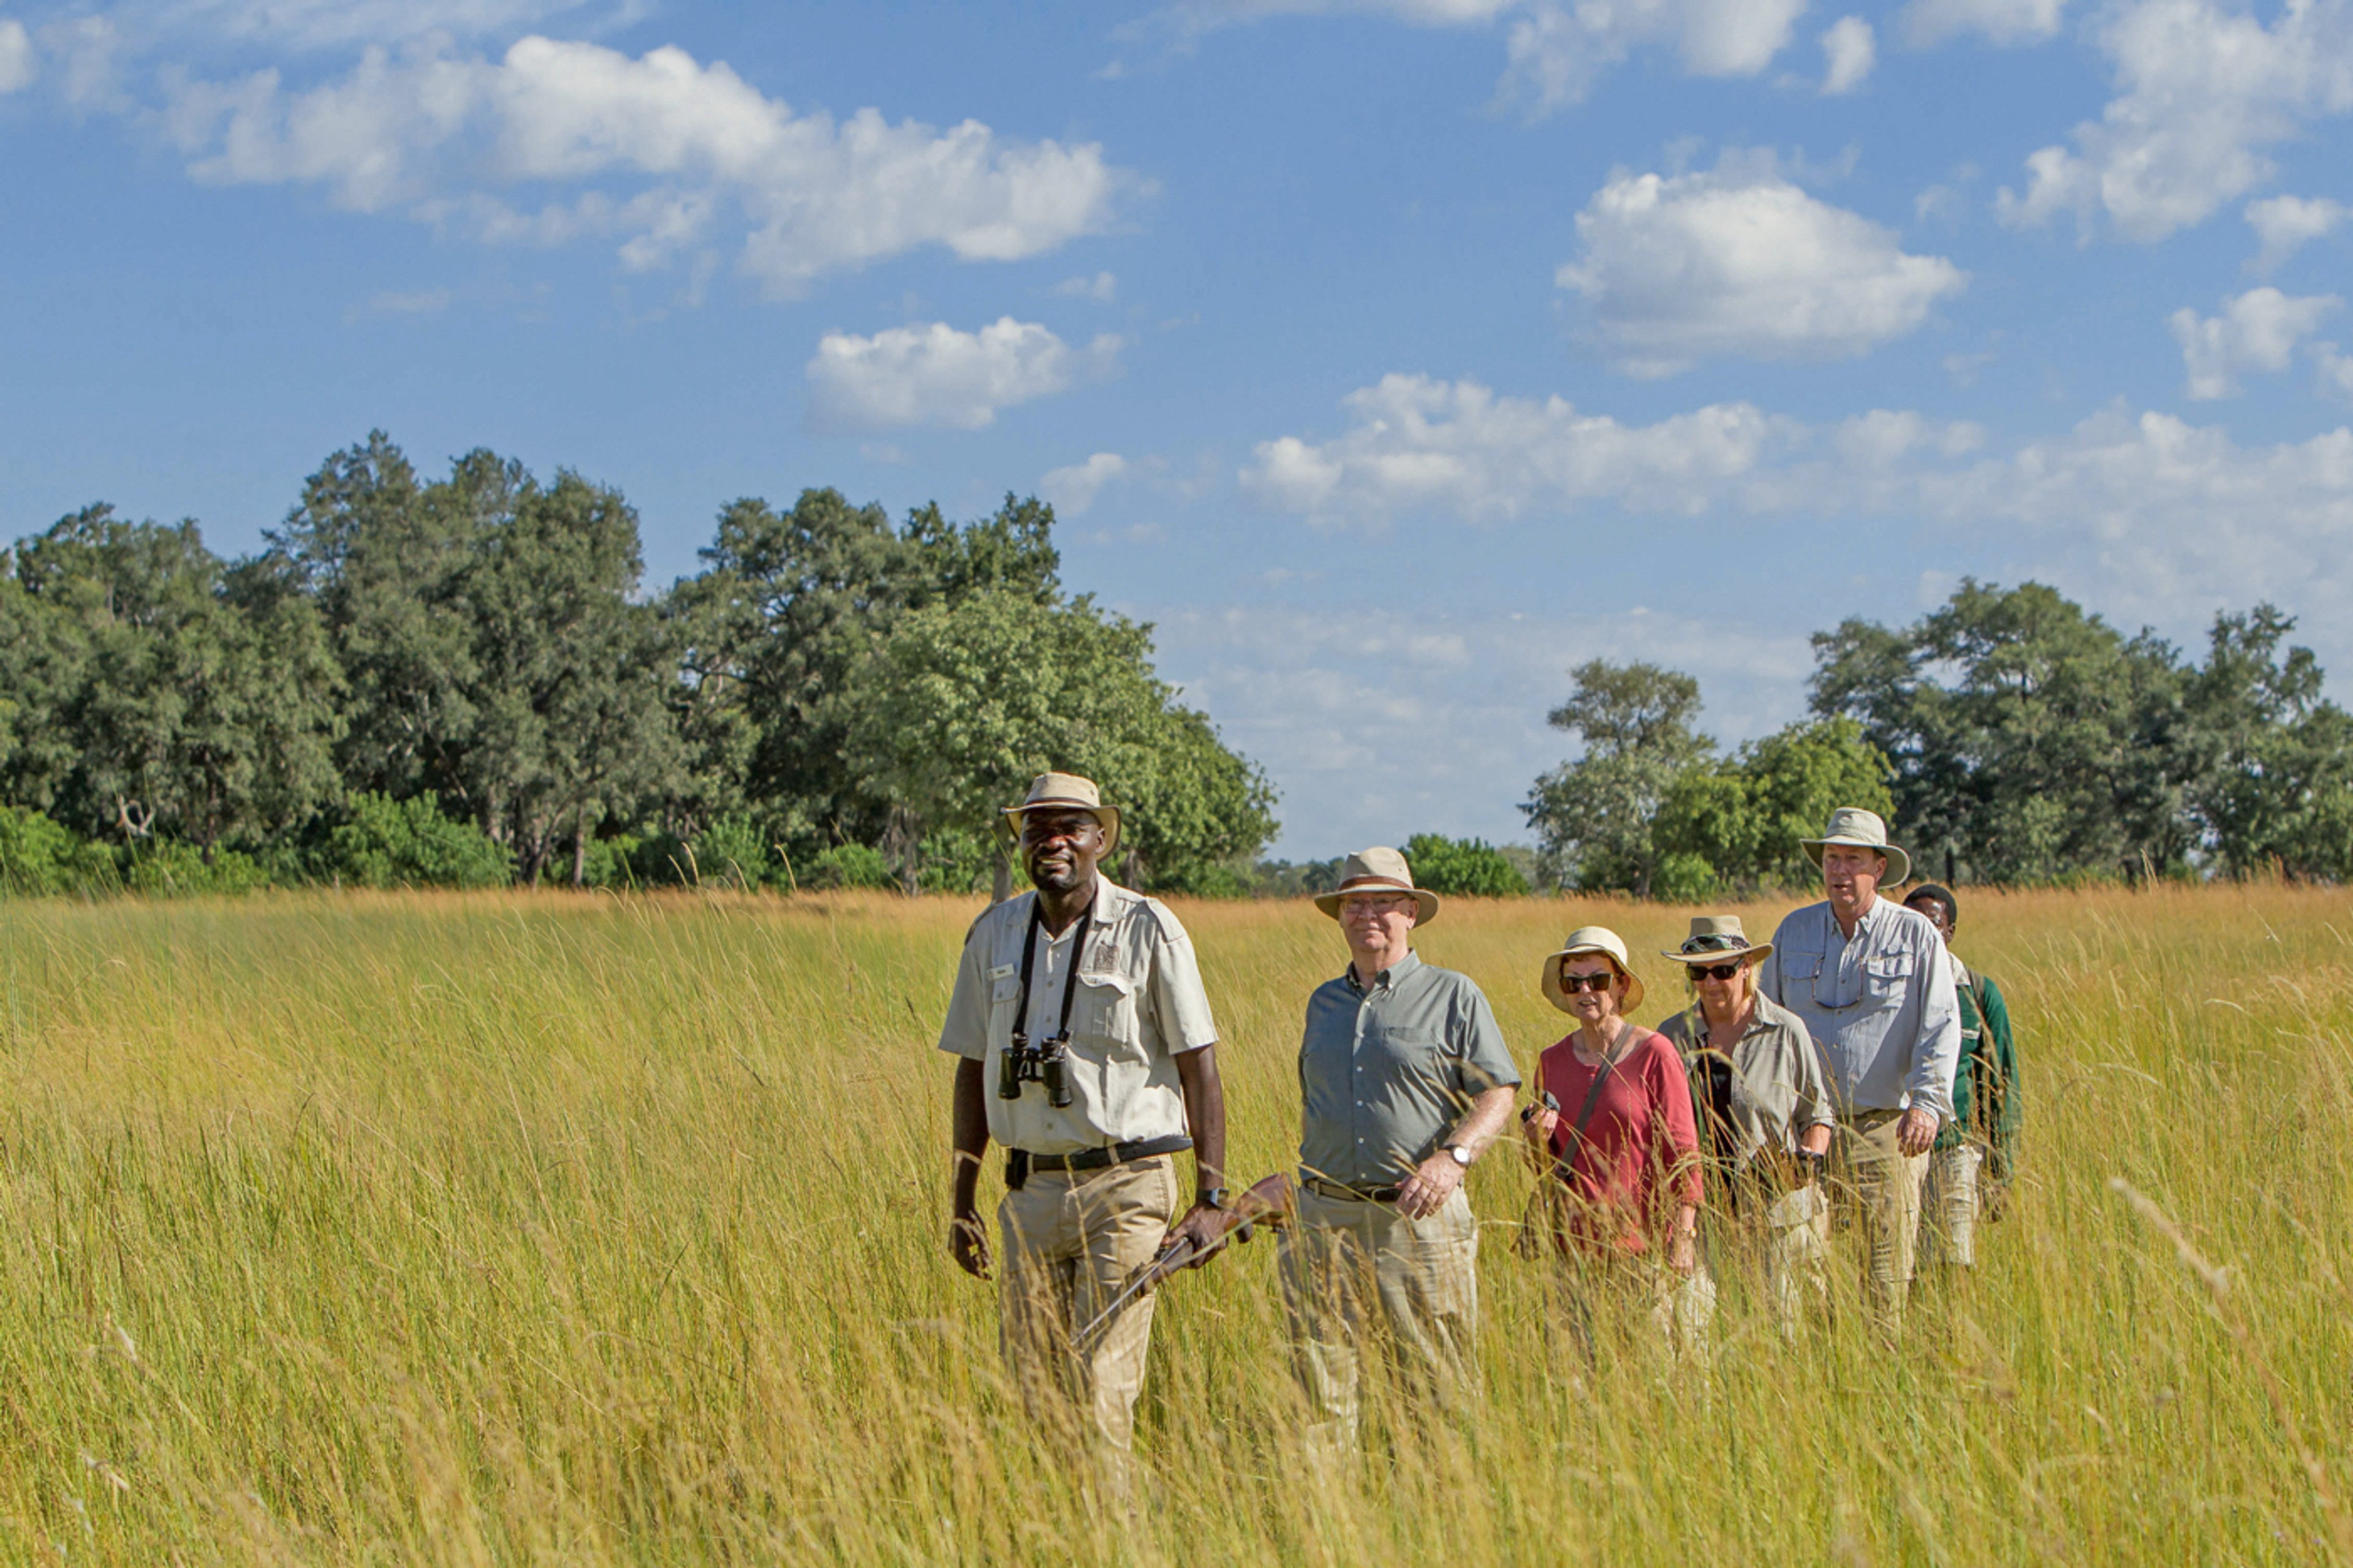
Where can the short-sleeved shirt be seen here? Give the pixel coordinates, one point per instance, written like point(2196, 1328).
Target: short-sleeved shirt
point(1387, 1072)
point(1639, 1157)
point(1781, 1092)
point(1139, 1006)
point(1880, 1004)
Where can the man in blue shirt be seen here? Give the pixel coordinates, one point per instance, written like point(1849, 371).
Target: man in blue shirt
point(1403, 1077)
point(1871, 982)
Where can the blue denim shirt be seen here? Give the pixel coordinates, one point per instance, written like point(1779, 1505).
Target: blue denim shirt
point(1881, 1007)
point(1385, 1073)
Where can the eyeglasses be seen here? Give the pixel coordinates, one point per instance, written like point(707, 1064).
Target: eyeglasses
point(1573, 984)
point(1375, 907)
point(1715, 971)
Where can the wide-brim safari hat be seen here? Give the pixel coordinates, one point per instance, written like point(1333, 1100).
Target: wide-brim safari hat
point(1865, 830)
point(1066, 792)
point(1713, 939)
point(1591, 939)
point(1379, 869)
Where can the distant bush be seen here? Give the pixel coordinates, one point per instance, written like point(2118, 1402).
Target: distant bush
point(1464, 868)
point(956, 861)
point(734, 851)
point(166, 867)
point(40, 856)
point(850, 866)
point(390, 843)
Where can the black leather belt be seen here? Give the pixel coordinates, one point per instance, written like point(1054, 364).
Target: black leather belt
point(1346, 1193)
point(1020, 1162)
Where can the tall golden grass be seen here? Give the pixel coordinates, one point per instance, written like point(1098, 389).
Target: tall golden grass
point(507, 1228)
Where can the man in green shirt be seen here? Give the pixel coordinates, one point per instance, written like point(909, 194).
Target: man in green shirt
point(1977, 1151)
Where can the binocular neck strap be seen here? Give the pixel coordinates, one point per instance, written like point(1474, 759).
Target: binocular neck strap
point(1070, 981)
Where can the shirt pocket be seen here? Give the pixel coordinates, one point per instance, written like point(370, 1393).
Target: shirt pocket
point(1798, 969)
point(1885, 977)
point(1419, 1051)
point(1004, 1000)
point(1105, 1011)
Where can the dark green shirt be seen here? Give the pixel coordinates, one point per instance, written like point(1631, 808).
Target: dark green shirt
point(1385, 1073)
point(1985, 1090)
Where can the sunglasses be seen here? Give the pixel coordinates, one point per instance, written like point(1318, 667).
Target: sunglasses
point(1715, 971)
point(1573, 984)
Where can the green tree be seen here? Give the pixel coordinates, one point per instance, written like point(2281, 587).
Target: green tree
point(2273, 782)
point(2029, 739)
point(1463, 868)
point(1592, 817)
point(1736, 823)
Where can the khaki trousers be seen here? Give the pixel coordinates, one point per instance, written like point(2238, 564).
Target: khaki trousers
point(1343, 1258)
point(1625, 1299)
point(1787, 1243)
point(1948, 1205)
point(1070, 1242)
point(1875, 1190)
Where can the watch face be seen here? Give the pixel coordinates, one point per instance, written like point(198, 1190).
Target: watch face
point(1461, 1155)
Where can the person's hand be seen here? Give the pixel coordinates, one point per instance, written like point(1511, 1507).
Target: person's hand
point(968, 1244)
point(1916, 1133)
point(1431, 1185)
point(1680, 1251)
point(1538, 1130)
point(1205, 1227)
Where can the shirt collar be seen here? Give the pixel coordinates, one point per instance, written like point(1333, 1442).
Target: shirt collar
point(1387, 977)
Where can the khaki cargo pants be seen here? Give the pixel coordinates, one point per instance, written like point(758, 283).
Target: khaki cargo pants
point(1785, 1246)
point(1876, 1191)
point(1948, 1205)
point(1347, 1257)
point(1070, 1241)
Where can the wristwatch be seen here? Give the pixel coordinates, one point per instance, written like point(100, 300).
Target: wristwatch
point(1210, 1197)
point(1461, 1155)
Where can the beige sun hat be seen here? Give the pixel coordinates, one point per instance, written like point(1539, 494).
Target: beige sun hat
point(1713, 939)
point(1852, 824)
point(1379, 869)
point(1591, 939)
point(1067, 792)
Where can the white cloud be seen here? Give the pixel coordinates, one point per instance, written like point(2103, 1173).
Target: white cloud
point(1742, 262)
point(2204, 90)
point(1103, 288)
point(16, 56)
point(2286, 225)
point(937, 375)
point(440, 135)
point(1556, 48)
point(1073, 490)
point(1926, 22)
point(329, 23)
point(1848, 52)
point(2149, 515)
point(2258, 329)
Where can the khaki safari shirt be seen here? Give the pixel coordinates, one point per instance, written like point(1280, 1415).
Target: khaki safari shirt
point(1385, 1073)
point(1140, 1005)
point(1779, 1093)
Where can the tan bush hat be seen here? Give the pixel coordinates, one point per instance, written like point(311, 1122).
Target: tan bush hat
point(1591, 939)
point(1067, 792)
point(1713, 939)
point(1379, 869)
point(1852, 824)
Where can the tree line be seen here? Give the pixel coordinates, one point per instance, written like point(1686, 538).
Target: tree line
point(2009, 736)
point(460, 681)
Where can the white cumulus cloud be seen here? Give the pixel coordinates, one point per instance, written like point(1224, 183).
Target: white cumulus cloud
point(1742, 262)
point(2257, 330)
point(935, 374)
point(673, 154)
point(2286, 225)
point(1928, 21)
point(2205, 90)
point(1071, 490)
point(1849, 52)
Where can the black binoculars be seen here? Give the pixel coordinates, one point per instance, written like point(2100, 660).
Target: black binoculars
point(1048, 1062)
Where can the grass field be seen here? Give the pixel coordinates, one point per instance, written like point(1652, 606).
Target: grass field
point(508, 1228)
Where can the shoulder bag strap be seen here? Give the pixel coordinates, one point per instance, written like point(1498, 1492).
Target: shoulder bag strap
point(1576, 1143)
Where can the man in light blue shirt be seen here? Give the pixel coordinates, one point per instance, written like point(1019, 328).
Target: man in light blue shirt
point(1871, 982)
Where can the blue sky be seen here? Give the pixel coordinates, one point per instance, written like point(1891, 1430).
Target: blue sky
point(1391, 355)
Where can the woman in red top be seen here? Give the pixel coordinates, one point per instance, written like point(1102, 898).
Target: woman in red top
point(1633, 1175)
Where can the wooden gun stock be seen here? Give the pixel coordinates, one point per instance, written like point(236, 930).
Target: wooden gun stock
point(1271, 1202)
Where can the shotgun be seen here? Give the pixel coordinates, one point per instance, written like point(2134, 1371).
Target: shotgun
point(1270, 1202)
